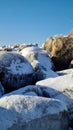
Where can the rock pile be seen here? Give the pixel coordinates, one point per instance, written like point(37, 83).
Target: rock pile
point(39, 105)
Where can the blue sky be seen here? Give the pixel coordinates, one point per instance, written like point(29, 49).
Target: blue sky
point(32, 21)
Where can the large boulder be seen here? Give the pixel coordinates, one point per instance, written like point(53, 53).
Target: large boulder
point(60, 88)
point(20, 112)
point(40, 61)
point(61, 48)
point(15, 71)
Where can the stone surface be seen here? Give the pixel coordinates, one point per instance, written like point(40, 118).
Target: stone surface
point(20, 112)
point(15, 71)
point(1, 90)
point(33, 90)
point(40, 61)
point(65, 72)
point(71, 64)
point(60, 88)
point(61, 48)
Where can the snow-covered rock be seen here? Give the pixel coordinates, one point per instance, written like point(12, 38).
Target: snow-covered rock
point(15, 71)
point(65, 72)
point(32, 90)
point(1, 90)
point(20, 112)
point(60, 88)
point(40, 61)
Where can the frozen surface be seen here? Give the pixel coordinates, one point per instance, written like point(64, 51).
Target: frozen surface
point(16, 67)
point(22, 109)
point(40, 60)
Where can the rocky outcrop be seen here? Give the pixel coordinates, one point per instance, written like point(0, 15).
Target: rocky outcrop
point(61, 48)
point(40, 62)
point(46, 105)
point(60, 88)
point(20, 112)
point(15, 71)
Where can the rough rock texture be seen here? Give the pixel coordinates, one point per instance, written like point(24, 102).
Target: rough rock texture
point(1, 90)
point(15, 71)
point(28, 113)
point(40, 61)
point(61, 48)
point(60, 88)
point(33, 90)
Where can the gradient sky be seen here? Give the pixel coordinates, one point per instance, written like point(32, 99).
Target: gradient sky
point(32, 21)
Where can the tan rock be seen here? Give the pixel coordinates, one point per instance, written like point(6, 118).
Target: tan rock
point(71, 33)
point(61, 48)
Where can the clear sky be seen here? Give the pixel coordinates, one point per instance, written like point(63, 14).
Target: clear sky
point(32, 21)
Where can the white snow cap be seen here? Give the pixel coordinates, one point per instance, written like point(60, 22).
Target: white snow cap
point(39, 57)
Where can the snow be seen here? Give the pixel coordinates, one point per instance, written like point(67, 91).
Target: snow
point(39, 59)
point(15, 100)
point(60, 87)
point(19, 108)
point(46, 65)
point(32, 49)
point(27, 90)
point(16, 67)
point(45, 61)
point(31, 94)
point(65, 72)
point(59, 83)
point(15, 63)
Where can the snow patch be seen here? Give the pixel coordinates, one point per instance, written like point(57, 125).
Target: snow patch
point(16, 67)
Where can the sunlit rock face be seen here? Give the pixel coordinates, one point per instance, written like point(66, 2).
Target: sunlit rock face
point(18, 112)
point(71, 33)
point(40, 61)
point(61, 48)
point(15, 71)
